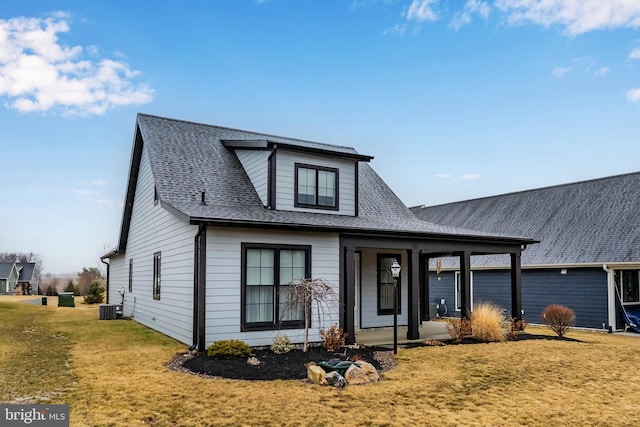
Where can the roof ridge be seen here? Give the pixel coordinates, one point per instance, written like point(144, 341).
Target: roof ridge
point(247, 131)
point(566, 184)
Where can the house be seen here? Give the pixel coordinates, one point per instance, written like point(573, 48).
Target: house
point(218, 221)
point(28, 278)
point(8, 277)
point(588, 258)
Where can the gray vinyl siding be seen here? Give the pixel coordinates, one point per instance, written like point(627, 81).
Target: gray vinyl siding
point(255, 163)
point(369, 290)
point(285, 182)
point(224, 274)
point(584, 290)
point(154, 229)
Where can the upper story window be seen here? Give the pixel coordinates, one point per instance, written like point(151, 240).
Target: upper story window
point(316, 187)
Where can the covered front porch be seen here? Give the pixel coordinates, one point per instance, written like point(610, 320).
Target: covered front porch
point(434, 330)
point(367, 290)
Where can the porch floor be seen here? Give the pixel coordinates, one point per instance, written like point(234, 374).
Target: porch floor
point(429, 330)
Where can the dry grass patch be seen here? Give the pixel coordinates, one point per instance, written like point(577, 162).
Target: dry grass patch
point(122, 381)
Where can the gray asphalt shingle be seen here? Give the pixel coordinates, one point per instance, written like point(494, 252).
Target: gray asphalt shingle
point(595, 221)
point(189, 158)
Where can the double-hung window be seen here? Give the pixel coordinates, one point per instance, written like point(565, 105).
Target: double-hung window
point(156, 275)
point(386, 284)
point(316, 187)
point(267, 272)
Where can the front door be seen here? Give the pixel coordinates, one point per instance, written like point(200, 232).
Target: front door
point(356, 307)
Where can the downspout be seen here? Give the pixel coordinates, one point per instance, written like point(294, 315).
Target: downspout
point(196, 288)
point(107, 284)
point(611, 297)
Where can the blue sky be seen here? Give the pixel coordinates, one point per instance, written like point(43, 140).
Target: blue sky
point(455, 99)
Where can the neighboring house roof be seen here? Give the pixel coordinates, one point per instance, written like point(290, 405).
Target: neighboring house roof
point(188, 159)
point(5, 269)
point(27, 270)
point(588, 222)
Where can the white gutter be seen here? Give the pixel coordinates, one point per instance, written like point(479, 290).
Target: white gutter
point(611, 297)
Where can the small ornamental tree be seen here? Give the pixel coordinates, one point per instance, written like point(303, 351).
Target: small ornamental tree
point(95, 293)
point(558, 318)
point(305, 293)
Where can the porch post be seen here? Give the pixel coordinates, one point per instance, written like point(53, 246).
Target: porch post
point(465, 284)
point(413, 294)
point(349, 292)
point(424, 287)
point(516, 286)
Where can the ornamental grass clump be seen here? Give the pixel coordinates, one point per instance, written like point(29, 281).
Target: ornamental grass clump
point(488, 322)
point(228, 349)
point(558, 318)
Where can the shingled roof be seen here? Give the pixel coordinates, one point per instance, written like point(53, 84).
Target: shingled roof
point(188, 159)
point(588, 222)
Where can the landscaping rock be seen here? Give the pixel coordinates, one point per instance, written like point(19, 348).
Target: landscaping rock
point(355, 375)
point(335, 379)
point(370, 371)
point(316, 374)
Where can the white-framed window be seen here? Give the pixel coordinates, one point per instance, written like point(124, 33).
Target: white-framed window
point(630, 286)
point(458, 296)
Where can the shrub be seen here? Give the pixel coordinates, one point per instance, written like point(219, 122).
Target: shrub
point(228, 349)
point(281, 344)
point(558, 318)
point(333, 338)
point(488, 322)
point(458, 328)
point(95, 293)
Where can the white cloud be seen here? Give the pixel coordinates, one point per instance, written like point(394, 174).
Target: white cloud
point(635, 53)
point(464, 17)
point(111, 203)
point(443, 175)
point(84, 193)
point(560, 71)
point(633, 95)
point(470, 176)
point(421, 10)
point(577, 16)
point(100, 182)
point(396, 29)
point(38, 73)
point(602, 71)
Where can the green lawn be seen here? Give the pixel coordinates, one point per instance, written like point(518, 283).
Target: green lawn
point(112, 373)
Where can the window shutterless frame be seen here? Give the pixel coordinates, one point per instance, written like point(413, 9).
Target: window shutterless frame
point(130, 274)
point(156, 276)
point(267, 267)
point(316, 187)
point(386, 284)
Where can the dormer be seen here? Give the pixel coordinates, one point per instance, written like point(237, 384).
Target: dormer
point(301, 176)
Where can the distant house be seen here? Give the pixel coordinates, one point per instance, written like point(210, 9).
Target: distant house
point(8, 277)
point(217, 222)
point(28, 278)
point(18, 278)
point(588, 257)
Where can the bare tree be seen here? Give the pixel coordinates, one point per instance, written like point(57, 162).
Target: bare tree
point(305, 294)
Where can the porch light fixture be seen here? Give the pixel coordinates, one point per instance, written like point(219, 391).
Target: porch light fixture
point(395, 272)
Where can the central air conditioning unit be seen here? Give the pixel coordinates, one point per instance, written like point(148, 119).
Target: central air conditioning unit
point(110, 311)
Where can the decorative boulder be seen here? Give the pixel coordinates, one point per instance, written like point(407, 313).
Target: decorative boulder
point(316, 374)
point(370, 371)
point(355, 375)
point(335, 379)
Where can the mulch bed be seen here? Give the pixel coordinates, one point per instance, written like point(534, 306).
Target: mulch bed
point(286, 366)
point(293, 365)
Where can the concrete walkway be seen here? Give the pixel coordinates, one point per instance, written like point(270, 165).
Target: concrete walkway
point(429, 330)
